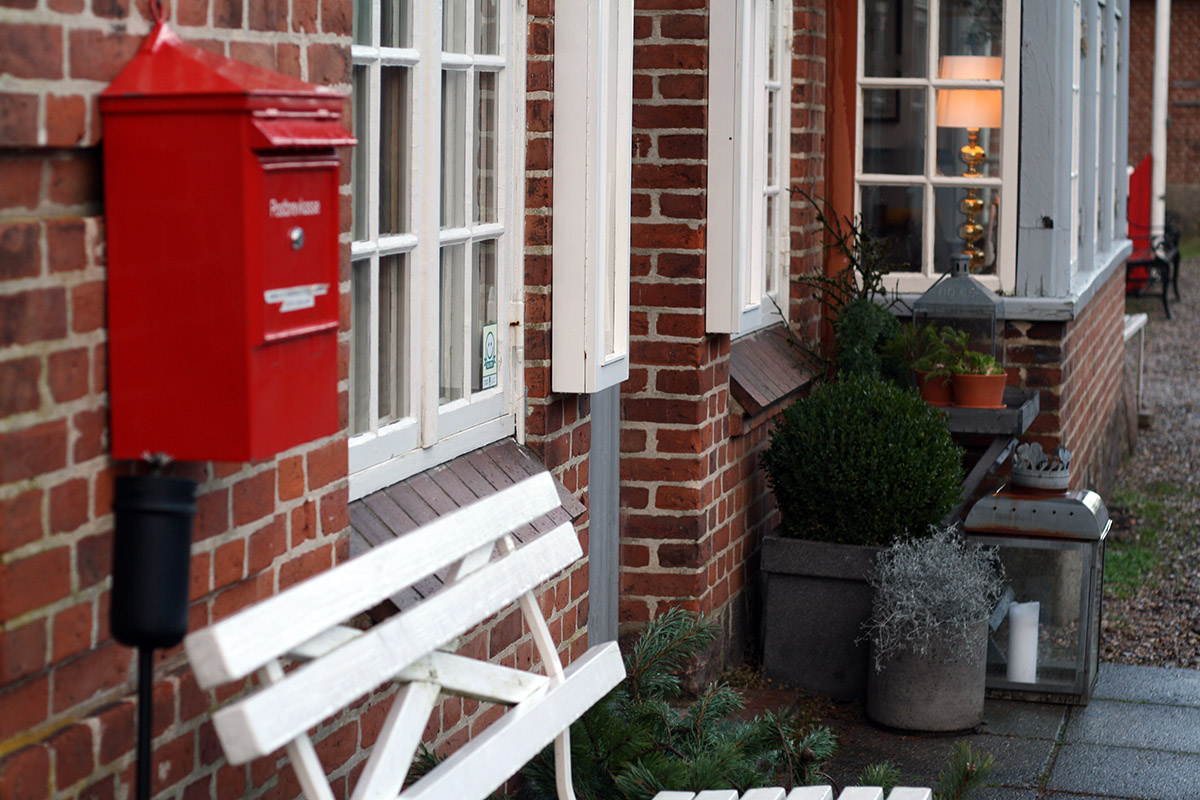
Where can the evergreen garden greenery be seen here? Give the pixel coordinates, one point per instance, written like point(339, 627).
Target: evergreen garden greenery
point(862, 461)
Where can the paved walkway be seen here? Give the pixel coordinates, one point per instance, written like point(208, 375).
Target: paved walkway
point(1138, 739)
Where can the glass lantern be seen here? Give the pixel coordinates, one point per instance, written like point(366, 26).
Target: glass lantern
point(1045, 633)
point(960, 301)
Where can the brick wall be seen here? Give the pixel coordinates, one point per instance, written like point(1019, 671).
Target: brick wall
point(1183, 101)
point(67, 720)
point(1077, 367)
point(694, 505)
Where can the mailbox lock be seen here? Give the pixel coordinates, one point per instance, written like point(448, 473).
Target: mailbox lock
point(296, 235)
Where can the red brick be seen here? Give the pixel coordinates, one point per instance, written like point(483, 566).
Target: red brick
point(682, 206)
point(212, 514)
point(117, 731)
point(20, 520)
point(31, 51)
point(647, 117)
point(96, 671)
point(22, 651)
point(34, 581)
point(333, 511)
point(672, 56)
point(99, 55)
point(20, 181)
point(671, 236)
point(19, 386)
point(20, 252)
point(661, 584)
point(670, 440)
point(266, 544)
point(172, 762)
point(73, 759)
point(327, 63)
point(240, 595)
point(90, 427)
point(68, 374)
point(67, 244)
point(75, 177)
point(684, 26)
point(227, 13)
point(66, 120)
point(288, 56)
point(257, 53)
point(191, 12)
point(677, 498)
point(663, 469)
point(69, 505)
point(291, 478)
point(668, 295)
point(229, 562)
point(93, 557)
point(336, 17)
point(304, 523)
point(327, 464)
point(33, 316)
point(682, 87)
point(305, 566)
point(254, 498)
point(72, 631)
point(25, 775)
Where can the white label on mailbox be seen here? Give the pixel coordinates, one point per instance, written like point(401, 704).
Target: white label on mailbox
point(283, 209)
point(294, 298)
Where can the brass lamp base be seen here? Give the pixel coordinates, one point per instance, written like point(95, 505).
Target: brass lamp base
point(972, 205)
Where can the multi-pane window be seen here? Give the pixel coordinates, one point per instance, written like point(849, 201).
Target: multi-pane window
point(748, 163)
point(432, 237)
point(936, 163)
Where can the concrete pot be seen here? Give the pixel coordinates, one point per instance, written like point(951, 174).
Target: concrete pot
point(815, 600)
point(930, 692)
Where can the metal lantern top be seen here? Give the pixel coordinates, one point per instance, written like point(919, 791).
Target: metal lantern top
point(957, 294)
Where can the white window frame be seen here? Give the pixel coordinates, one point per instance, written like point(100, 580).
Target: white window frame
point(740, 296)
point(434, 432)
point(593, 129)
point(923, 275)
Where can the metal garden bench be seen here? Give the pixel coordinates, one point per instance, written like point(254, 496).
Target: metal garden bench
point(484, 572)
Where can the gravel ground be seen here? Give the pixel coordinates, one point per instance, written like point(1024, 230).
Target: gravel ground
point(1156, 504)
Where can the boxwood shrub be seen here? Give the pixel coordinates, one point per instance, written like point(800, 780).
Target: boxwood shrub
point(862, 461)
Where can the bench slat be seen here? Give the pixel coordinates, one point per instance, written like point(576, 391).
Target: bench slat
point(259, 724)
point(811, 793)
point(397, 743)
point(910, 793)
point(861, 793)
point(235, 647)
point(481, 765)
point(766, 793)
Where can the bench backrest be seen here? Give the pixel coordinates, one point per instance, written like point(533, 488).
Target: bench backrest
point(485, 571)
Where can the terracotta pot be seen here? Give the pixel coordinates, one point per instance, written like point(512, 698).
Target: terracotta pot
point(979, 391)
point(935, 391)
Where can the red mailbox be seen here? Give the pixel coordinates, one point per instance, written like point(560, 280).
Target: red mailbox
point(221, 192)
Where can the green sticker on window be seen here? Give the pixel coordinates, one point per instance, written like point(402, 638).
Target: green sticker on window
point(488, 353)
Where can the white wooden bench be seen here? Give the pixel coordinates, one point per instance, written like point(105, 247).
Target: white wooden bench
point(338, 664)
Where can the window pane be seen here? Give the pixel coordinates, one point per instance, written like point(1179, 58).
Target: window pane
point(770, 177)
point(487, 27)
point(896, 34)
point(958, 112)
point(451, 344)
point(454, 148)
point(895, 214)
point(483, 313)
point(362, 21)
point(952, 225)
point(394, 137)
point(393, 301)
point(360, 347)
point(485, 147)
point(894, 131)
point(971, 28)
point(359, 177)
point(396, 23)
point(454, 26)
point(772, 36)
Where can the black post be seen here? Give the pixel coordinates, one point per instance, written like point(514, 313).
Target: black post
point(152, 540)
point(145, 719)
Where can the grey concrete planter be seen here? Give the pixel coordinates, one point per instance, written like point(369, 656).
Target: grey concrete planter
point(931, 692)
point(815, 600)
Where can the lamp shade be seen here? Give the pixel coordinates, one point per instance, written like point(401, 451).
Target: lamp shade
point(970, 108)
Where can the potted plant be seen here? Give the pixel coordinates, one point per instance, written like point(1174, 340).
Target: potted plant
point(924, 347)
point(928, 632)
point(978, 381)
point(856, 465)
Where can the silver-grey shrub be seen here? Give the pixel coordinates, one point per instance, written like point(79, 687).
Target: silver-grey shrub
point(931, 590)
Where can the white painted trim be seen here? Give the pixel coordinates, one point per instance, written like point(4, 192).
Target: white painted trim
point(593, 118)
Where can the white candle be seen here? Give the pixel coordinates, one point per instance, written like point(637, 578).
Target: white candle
point(1023, 642)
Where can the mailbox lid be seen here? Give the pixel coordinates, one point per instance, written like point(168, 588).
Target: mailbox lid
point(168, 73)
point(1068, 515)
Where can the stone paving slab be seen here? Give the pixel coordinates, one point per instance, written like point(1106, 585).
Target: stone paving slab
point(1030, 720)
point(1124, 772)
point(1148, 685)
point(1144, 725)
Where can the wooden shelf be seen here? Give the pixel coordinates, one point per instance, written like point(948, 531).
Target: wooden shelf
point(1022, 408)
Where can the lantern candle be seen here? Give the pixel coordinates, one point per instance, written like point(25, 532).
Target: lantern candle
point(1023, 642)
